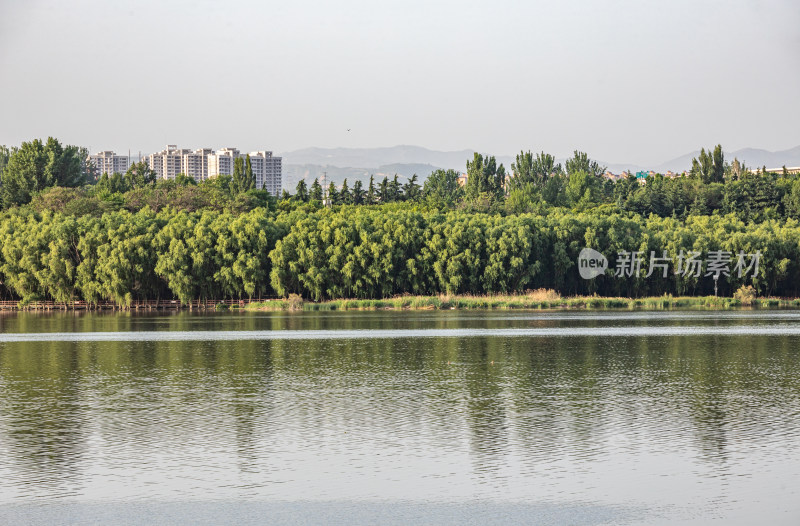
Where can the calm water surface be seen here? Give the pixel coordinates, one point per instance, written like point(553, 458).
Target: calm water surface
point(400, 417)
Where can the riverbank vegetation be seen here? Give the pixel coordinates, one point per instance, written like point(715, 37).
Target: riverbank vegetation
point(532, 300)
point(67, 234)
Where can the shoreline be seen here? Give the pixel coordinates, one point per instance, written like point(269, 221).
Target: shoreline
point(535, 300)
point(526, 302)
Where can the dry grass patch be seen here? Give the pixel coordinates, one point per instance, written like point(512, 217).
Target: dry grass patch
point(543, 295)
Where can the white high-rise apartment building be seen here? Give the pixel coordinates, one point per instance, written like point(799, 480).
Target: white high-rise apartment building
point(221, 162)
point(267, 170)
point(205, 163)
point(109, 163)
point(195, 164)
point(168, 162)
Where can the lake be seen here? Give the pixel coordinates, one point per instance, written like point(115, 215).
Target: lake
point(400, 418)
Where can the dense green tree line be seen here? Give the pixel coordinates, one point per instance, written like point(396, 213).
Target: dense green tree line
point(370, 252)
point(129, 236)
point(50, 177)
point(376, 252)
point(384, 192)
point(123, 256)
point(53, 177)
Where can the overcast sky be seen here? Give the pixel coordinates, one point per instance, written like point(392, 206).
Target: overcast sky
point(627, 81)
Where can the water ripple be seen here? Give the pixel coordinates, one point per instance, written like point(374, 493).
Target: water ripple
point(637, 331)
point(687, 421)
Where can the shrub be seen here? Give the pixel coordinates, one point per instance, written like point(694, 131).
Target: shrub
point(541, 295)
point(295, 302)
point(746, 294)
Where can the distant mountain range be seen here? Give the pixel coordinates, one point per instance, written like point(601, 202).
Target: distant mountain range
point(360, 163)
point(293, 173)
point(751, 157)
point(371, 158)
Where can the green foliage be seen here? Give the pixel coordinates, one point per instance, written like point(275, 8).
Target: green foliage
point(301, 192)
point(375, 253)
point(371, 195)
point(359, 194)
point(580, 162)
point(241, 180)
point(139, 175)
point(383, 191)
point(316, 191)
point(746, 294)
point(117, 257)
point(523, 198)
point(485, 177)
point(366, 252)
point(213, 255)
point(791, 199)
point(709, 167)
point(115, 183)
point(753, 197)
point(130, 237)
point(533, 172)
point(333, 194)
point(182, 180)
point(442, 189)
point(169, 194)
point(583, 189)
point(395, 190)
point(412, 190)
point(222, 183)
point(5, 153)
point(345, 197)
point(35, 166)
point(554, 191)
point(122, 256)
point(249, 182)
point(737, 170)
point(75, 202)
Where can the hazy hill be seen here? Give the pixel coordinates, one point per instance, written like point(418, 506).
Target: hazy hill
point(292, 173)
point(371, 158)
point(752, 157)
point(360, 163)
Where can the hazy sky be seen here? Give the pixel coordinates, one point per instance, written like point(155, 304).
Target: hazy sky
point(627, 81)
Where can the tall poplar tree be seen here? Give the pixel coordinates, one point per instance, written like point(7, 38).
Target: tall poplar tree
point(709, 166)
point(371, 190)
point(485, 177)
point(249, 177)
point(238, 175)
point(533, 170)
